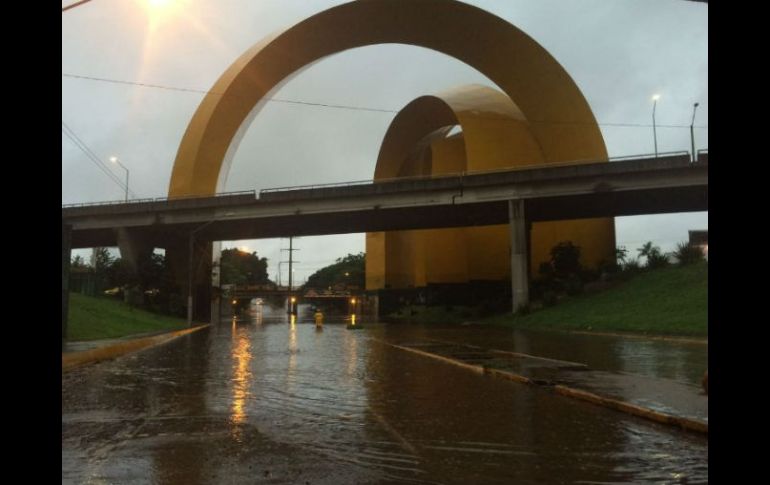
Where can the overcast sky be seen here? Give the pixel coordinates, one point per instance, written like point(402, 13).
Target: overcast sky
point(619, 52)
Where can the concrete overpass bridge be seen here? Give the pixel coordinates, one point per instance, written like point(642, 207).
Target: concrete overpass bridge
point(642, 185)
point(246, 292)
point(557, 192)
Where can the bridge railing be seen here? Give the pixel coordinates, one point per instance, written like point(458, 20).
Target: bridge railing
point(474, 172)
point(702, 157)
point(164, 199)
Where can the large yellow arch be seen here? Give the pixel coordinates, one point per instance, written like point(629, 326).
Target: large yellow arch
point(559, 115)
point(495, 135)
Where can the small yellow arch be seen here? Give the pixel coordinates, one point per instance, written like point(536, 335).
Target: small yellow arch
point(495, 135)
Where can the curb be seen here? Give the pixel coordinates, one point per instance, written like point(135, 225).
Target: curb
point(665, 338)
point(686, 424)
point(72, 360)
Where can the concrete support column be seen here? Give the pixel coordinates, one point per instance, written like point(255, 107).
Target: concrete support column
point(519, 265)
point(66, 252)
point(216, 283)
point(178, 256)
point(134, 248)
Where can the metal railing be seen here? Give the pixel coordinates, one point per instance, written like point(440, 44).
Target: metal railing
point(163, 199)
point(473, 172)
point(389, 180)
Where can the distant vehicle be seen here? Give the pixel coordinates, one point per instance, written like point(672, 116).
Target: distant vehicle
point(113, 291)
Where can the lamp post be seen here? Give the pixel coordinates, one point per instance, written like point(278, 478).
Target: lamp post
point(115, 160)
point(692, 132)
point(655, 98)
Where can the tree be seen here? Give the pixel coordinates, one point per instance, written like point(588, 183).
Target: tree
point(78, 263)
point(242, 268)
point(348, 271)
point(655, 259)
point(103, 259)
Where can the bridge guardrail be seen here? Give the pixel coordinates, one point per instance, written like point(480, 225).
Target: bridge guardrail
point(161, 199)
point(702, 156)
point(313, 187)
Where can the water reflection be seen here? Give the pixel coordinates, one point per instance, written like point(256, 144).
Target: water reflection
point(227, 404)
point(293, 350)
point(257, 313)
point(241, 379)
point(351, 355)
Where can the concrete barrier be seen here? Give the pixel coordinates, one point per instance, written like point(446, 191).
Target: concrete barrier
point(72, 360)
point(684, 423)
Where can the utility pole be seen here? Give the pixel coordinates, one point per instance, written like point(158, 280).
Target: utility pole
point(291, 254)
point(291, 261)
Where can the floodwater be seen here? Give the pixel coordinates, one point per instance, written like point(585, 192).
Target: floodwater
point(262, 400)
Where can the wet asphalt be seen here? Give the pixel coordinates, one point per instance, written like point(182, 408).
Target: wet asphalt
point(263, 400)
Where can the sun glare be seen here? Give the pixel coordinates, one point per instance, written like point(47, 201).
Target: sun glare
point(155, 4)
point(160, 10)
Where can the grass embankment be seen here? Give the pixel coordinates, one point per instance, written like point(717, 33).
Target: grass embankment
point(93, 318)
point(669, 301)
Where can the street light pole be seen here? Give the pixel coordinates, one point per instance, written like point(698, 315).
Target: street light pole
point(654, 133)
point(692, 132)
point(115, 160)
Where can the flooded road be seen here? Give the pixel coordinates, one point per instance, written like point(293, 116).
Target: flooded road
point(266, 401)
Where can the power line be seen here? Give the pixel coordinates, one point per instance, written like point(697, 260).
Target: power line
point(70, 133)
point(76, 4)
point(348, 107)
point(202, 91)
point(76, 141)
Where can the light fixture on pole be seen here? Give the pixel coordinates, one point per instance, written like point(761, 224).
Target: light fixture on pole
point(115, 160)
point(692, 132)
point(655, 98)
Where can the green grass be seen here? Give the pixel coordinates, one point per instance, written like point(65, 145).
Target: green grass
point(669, 301)
point(99, 318)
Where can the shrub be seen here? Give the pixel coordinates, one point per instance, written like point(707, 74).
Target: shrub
point(630, 268)
point(549, 298)
point(657, 260)
point(573, 285)
point(605, 268)
point(565, 258)
point(688, 254)
point(545, 270)
point(523, 309)
point(620, 255)
point(588, 275)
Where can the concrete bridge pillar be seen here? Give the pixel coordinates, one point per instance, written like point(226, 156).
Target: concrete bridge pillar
point(519, 259)
point(134, 248)
point(66, 252)
point(178, 257)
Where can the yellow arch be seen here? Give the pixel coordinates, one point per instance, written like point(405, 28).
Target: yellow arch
point(495, 134)
point(559, 115)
